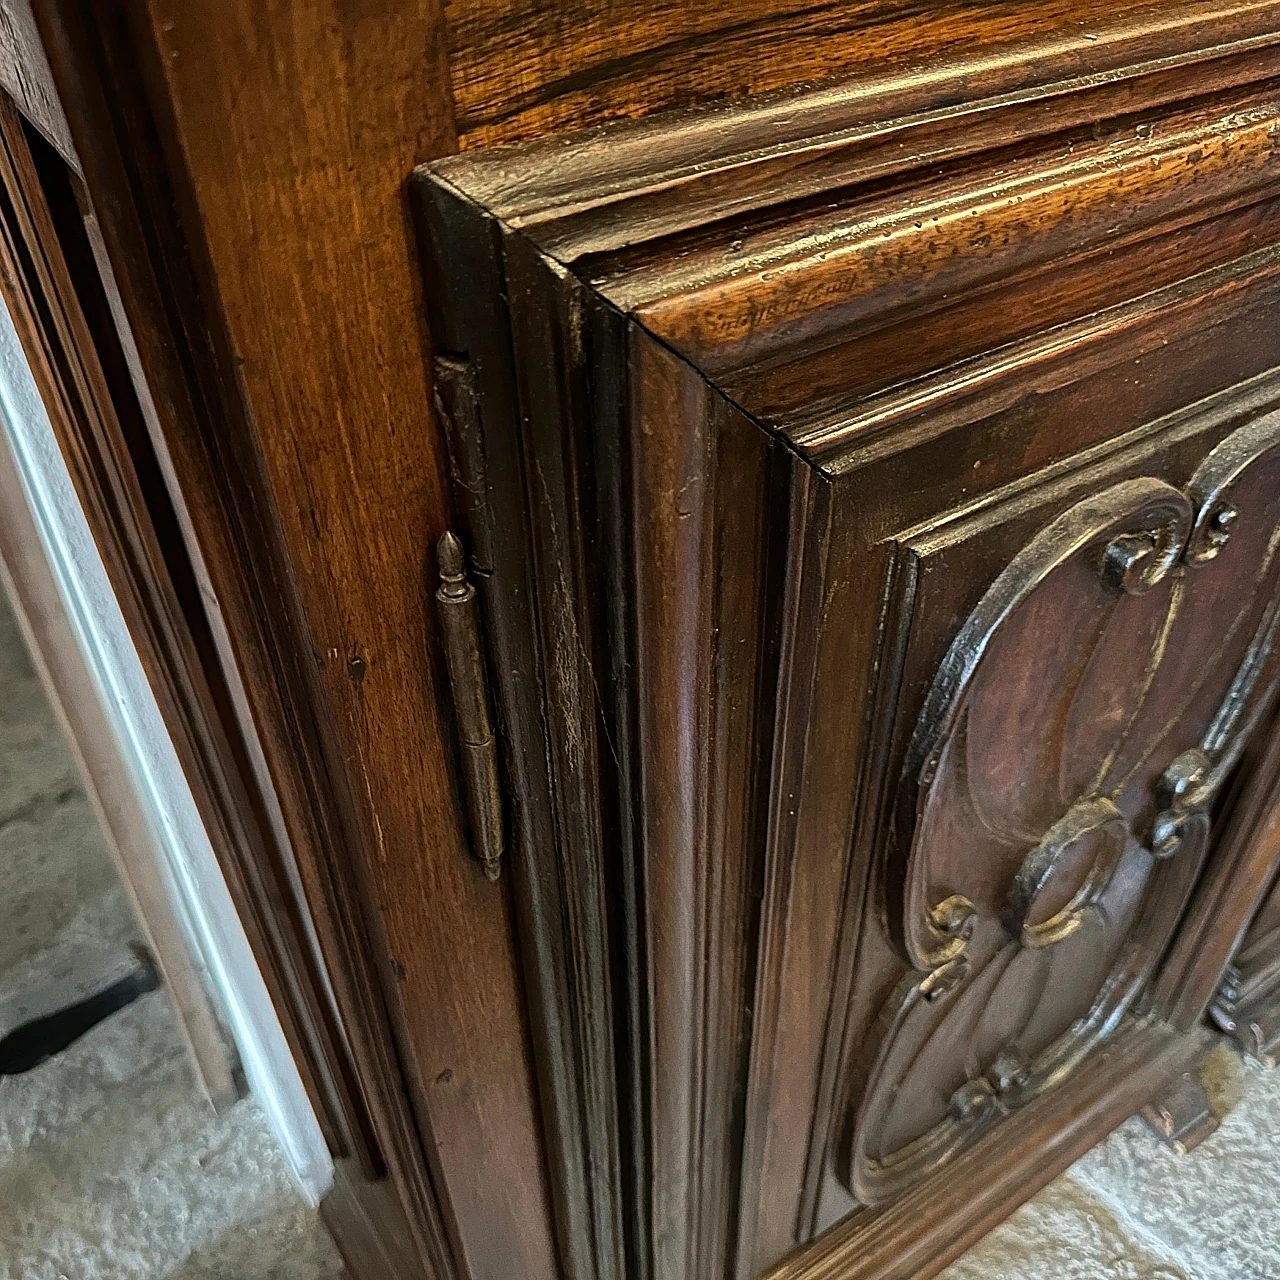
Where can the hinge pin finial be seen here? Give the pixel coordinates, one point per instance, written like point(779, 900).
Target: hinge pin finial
point(460, 626)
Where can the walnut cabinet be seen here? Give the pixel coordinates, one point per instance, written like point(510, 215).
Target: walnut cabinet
point(873, 498)
point(830, 776)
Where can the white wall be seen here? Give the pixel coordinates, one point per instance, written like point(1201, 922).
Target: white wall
point(186, 863)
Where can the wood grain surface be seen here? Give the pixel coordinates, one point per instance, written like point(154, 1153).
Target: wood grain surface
point(523, 69)
point(991, 1179)
point(1033, 306)
point(297, 129)
point(310, 468)
point(249, 162)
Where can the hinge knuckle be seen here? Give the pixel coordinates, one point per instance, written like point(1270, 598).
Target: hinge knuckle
point(468, 682)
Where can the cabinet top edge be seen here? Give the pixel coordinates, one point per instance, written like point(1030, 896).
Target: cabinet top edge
point(601, 189)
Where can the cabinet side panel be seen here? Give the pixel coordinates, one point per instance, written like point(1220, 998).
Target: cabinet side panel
point(275, 298)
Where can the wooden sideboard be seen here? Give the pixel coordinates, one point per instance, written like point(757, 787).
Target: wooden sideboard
point(873, 503)
point(861, 425)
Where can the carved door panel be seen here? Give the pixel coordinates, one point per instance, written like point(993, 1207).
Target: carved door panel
point(1053, 811)
point(880, 570)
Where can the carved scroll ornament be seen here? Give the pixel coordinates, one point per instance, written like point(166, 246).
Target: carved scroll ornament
point(1053, 813)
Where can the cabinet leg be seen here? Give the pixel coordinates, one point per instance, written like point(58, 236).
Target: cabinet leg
point(1182, 1115)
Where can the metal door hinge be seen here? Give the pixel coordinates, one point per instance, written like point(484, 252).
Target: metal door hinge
point(460, 626)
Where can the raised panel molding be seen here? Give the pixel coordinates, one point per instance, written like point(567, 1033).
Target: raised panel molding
point(879, 567)
point(1053, 812)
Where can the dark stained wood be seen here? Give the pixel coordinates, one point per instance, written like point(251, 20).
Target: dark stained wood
point(293, 407)
point(523, 69)
point(74, 349)
point(943, 591)
point(683, 170)
point(1053, 811)
point(752, 402)
point(806, 283)
point(1246, 1002)
point(936, 1222)
point(581, 534)
point(700, 498)
point(1226, 900)
point(1247, 1007)
point(1226, 958)
point(1182, 1115)
point(1267, 919)
point(555, 800)
point(959, 370)
point(367, 1223)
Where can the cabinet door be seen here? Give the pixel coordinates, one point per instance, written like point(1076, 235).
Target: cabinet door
point(875, 518)
point(1050, 796)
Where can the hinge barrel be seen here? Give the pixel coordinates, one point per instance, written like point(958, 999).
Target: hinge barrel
point(478, 747)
